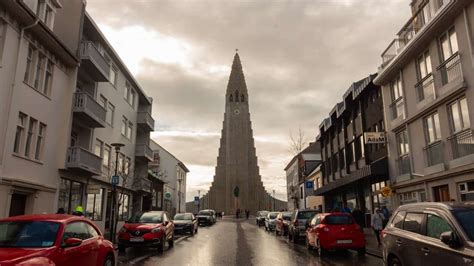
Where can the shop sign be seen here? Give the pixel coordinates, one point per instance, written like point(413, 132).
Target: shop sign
point(374, 137)
point(386, 191)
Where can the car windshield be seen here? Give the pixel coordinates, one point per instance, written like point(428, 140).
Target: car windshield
point(272, 215)
point(206, 213)
point(183, 216)
point(287, 216)
point(306, 215)
point(28, 234)
point(466, 220)
point(147, 218)
point(338, 220)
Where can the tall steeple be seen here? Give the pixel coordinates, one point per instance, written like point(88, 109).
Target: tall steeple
point(237, 182)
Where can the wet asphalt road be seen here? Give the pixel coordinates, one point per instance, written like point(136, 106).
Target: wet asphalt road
point(232, 242)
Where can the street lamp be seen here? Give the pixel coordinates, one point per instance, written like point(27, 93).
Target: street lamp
point(180, 179)
point(117, 147)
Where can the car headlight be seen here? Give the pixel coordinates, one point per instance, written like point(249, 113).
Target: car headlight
point(123, 230)
point(156, 230)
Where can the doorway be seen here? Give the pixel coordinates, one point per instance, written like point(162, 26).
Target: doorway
point(17, 205)
point(441, 193)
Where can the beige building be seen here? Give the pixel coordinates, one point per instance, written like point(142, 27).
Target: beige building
point(427, 79)
point(38, 70)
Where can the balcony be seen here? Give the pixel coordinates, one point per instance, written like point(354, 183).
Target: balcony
point(451, 69)
point(403, 165)
point(434, 153)
point(94, 63)
point(144, 152)
point(462, 144)
point(145, 121)
point(425, 88)
point(142, 184)
point(88, 110)
point(81, 159)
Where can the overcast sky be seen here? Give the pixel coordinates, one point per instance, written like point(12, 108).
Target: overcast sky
point(298, 57)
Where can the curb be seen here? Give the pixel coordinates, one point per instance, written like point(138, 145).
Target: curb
point(375, 253)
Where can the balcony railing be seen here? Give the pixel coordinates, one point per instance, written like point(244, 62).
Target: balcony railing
point(80, 158)
point(451, 69)
point(144, 151)
point(89, 110)
point(146, 121)
point(397, 108)
point(94, 61)
point(425, 87)
point(411, 28)
point(434, 153)
point(403, 164)
point(462, 144)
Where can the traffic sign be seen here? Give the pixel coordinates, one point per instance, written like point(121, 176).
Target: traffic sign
point(309, 184)
point(386, 191)
point(115, 180)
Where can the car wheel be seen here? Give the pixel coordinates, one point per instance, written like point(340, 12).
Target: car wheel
point(109, 260)
point(321, 251)
point(361, 252)
point(394, 262)
point(161, 246)
point(171, 241)
point(121, 248)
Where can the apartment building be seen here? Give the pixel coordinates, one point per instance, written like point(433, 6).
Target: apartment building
point(38, 69)
point(172, 172)
point(354, 165)
point(109, 136)
point(427, 77)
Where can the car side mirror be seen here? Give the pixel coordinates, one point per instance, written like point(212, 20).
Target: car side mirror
point(450, 238)
point(72, 242)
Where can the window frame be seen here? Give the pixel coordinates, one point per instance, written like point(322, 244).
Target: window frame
point(19, 133)
point(464, 124)
point(448, 35)
point(436, 130)
point(100, 215)
point(406, 146)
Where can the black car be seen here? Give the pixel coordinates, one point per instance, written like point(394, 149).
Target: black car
point(185, 223)
point(206, 217)
point(260, 219)
point(297, 224)
point(430, 234)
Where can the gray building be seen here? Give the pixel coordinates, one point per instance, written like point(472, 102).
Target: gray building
point(427, 77)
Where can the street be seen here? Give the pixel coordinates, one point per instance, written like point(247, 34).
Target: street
point(239, 242)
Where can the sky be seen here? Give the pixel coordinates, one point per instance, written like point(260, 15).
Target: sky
point(298, 57)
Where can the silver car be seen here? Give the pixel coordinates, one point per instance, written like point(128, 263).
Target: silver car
point(270, 221)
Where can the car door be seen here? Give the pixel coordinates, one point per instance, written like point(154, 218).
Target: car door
point(78, 255)
point(94, 242)
point(435, 252)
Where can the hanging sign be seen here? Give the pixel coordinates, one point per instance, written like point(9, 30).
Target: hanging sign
point(374, 137)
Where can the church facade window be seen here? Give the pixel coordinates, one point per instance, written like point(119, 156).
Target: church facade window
point(236, 96)
point(242, 98)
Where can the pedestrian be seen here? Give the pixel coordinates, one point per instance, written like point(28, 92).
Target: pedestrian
point(247, 214)
point(358, 216)
point(61, 211)
point(377, 223)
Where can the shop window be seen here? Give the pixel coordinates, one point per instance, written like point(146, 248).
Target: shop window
point(124, 207)
point(70, 195)
point(466, 190)
point(94, 204)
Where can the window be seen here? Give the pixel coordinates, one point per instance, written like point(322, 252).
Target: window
point(435, 226)
point(413, 222)
point(106, 156)
point(103, 101)
point(98, 147)
point(123, 211)
point(424, 65)
point(432, 128)
point(76, 230)
point(398, 219)
point(129, 130)
point(397, 106)
point(133, 95)
point(48, 78)
point(467, 191)
point(126, 166)
point(39, 71)
point(459, 115)
point(94, 203)
point(40, 141)
point(124, 126)
point(396, 88)
point(113, 75)
point(126, 92)
point(402, 141)
point(449, 44)
point(70, 194)
point(110, 114)
point(29, 64)
point(30, 136)
point(20, 129)
point(48, 16)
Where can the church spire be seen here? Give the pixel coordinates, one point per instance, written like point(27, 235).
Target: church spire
point(236, 88)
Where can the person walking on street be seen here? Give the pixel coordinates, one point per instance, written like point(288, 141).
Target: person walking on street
point(247, 214)
point(377, 223)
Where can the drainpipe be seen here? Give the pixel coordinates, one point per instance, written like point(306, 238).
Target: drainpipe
point(5, 128)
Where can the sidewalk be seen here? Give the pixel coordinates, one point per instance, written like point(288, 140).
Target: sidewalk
point(373, 248)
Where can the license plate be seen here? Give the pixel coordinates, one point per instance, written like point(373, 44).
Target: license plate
point(136, 239)
point(348, 241)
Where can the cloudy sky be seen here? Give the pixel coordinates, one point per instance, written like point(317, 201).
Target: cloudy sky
point(298, 58)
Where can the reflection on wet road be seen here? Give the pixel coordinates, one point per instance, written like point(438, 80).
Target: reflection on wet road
point(231, 242)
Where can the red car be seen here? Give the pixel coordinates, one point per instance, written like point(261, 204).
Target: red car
point(148, 229)
point(334, 231)
point(53, 239)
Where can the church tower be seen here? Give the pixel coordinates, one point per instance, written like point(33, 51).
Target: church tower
point(237, 183)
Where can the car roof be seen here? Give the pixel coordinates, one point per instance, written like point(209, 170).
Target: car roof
point(307, 210)
point(184, 213)
point(447, 206)
point(61, 218)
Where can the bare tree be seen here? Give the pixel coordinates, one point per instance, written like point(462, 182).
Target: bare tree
point(298, 141)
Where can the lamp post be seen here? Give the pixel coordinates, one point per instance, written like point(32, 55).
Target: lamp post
point(180, 179)
point(113, 226)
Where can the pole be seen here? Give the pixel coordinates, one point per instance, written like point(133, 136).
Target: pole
point(114, 200)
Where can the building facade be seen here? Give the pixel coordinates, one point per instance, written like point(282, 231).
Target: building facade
point(353, 170)
point(427, 77)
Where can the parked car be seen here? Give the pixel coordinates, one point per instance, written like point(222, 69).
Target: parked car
point(297, 225)
point(334, 231)
point(270, 221)
point(282, 221)
point(206, 217)
point(260, 219)
point(53, 239)
point(430, 234)
point(148, 229)
point(185, 223)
